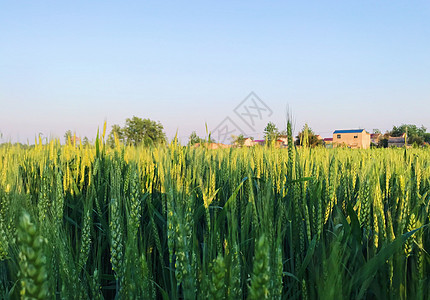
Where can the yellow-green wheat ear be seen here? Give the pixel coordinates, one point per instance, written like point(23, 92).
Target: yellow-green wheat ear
point(260, 276)
point(3, 243)
point(32, 261)
point(217, 288)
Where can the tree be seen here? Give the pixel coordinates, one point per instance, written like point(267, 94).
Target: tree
point(427, 137)
point(307, 137)
point(194, 139)
point(117, 131)
point(238, 140)
point(383, 141)
point(68, 135)
point(409, 129)
point(143, 131)
point(414, 134)
point(85, 141)
point(283, 133)
point(271, 132)
point(137, 131)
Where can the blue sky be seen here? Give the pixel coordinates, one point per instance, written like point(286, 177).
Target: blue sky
point(335, 64)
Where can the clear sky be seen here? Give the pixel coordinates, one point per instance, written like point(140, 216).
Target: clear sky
point(335, 64)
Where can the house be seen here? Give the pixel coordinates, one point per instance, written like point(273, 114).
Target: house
point(283, 139)
point(351, 138)
point(396, 141)
point(281, 143)
point(328, 142)
point(249, 142)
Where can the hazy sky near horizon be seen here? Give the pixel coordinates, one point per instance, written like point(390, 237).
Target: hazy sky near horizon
point(334, 64)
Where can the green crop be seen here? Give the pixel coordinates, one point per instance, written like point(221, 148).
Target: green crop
point(192, 223)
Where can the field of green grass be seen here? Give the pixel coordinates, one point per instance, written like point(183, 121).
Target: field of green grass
point(183, 223)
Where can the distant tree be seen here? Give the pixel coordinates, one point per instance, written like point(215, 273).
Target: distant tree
point(415, 135)
point(427, 137)
point(238, 140)
point(194, 139)
point(17, 144)
point(307, 137)
point(68, 135)
point(211, 139)
point(283, 132)
point(271, 133)
point(409, 129)
point(118, 131)
point(376, 131)
point(415, 140)
point(143, 131)
point(383, 140)
point(85, 141)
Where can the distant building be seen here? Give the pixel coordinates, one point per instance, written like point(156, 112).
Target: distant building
point(283, 139)
point(249, 142)
point(396, 141)
point(328, 142)
point(351, 138)
point(281, 143)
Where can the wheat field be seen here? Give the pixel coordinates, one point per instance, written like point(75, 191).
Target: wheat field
point(178, 222)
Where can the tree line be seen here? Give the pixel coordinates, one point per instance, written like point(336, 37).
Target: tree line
point(138, 131)
point(271, 133)
point(415, 135)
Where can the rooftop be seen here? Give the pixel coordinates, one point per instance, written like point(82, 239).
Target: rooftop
point(348, 131)
point(396, 139)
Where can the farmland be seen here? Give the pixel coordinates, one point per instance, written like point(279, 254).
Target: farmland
point(174, 222)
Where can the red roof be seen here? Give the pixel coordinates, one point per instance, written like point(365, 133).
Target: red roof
point(328, 139)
